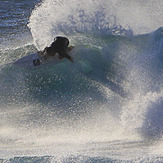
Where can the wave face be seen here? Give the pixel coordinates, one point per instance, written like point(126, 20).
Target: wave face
point(109, 100)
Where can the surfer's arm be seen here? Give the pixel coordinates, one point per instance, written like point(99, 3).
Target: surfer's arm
point(42, 52)
point(61, 56)
point(69, 57)
point(70, 48)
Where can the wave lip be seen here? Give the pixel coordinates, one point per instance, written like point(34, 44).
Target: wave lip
point(69, 18)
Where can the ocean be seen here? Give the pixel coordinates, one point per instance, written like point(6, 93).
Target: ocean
point(107, 106)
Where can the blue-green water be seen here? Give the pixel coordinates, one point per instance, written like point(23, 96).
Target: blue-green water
point(107, 106)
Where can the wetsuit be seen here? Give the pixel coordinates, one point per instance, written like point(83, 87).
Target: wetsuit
point(60, 46)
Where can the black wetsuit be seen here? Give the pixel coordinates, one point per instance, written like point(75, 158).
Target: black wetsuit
point(60, 46)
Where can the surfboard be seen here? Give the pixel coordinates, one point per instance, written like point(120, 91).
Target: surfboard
point(36, 60)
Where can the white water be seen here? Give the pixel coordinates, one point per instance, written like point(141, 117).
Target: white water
point(110, 107)
point(70, 17)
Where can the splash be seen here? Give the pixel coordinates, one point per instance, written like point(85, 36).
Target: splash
point(110, 99)
point(78, 19)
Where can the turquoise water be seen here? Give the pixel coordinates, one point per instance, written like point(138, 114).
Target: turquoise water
point(106, 106)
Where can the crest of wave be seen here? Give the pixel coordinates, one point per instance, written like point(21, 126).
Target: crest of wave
point(71, 17)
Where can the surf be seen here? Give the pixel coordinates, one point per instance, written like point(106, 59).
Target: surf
point(110, 96)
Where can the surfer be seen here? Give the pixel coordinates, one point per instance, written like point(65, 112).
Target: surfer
point(60, 46)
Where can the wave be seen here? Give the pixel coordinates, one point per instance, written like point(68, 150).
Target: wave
point(112, 92)
point(110, 80)
point(69, 18)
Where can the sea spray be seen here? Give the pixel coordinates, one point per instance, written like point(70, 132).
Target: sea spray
point(107, 105)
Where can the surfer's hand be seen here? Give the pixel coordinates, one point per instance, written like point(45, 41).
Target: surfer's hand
point(39, 52)
point(71, 60)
